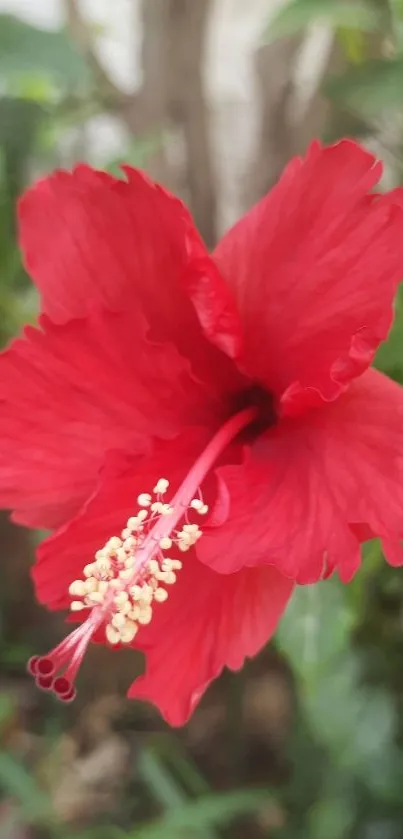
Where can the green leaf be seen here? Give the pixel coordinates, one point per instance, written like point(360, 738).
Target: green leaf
point(164, 787)
point(369, 88)
point(16, 781)
point(25, 49)
point(297, 14)
point(331, 817)
point(315, 628)
point(158, 780)
point(215, 810)
point(389, 357)
point(19, 120)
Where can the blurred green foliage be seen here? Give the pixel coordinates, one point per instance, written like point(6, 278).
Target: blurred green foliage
point(343, 646)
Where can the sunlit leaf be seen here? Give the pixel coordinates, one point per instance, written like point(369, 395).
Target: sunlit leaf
point(297, 14)
point(26, 49)
point(369, 88)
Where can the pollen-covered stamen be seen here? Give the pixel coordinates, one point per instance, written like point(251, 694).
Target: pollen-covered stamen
point(133, 572)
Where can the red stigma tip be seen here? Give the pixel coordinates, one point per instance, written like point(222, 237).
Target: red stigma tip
point(66, 657)
point(31, 665)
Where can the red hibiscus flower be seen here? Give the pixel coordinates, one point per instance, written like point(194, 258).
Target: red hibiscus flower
point(240, 378)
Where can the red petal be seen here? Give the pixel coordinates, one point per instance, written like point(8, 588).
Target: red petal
point(70, 393)
point(62, 557)
point(91, 238)
point(209, 621)
point(282, 512)
point(315, 267)
point(312, 489)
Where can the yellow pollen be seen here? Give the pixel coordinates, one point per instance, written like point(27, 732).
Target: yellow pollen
point(77, 605)
point(144, 499)
point(131, 572)
point(161, 486)
point(77, 588)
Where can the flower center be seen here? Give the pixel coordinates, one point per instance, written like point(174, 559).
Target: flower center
point(131, 574)
point(263, 402)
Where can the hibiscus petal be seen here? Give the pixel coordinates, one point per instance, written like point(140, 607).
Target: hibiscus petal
point(91, 238)
point(209, 621)
point(282, 512)
point(69, 393)
point(315, 487)
point(314, 268)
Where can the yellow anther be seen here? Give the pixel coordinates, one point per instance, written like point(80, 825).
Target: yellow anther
point(160, 595)
point(184, 546)
point(77, 588)
point(128, 632)
point(156, 507)
point(161, 486)
point(113, 543)
point(121, 598)
point(142, 515)
point(176, 564)
point(118, 621)
point(153, 566)
point(77, 605)
point(129, 561)
point(89, 570)
point(115, 583)
point(103, 567)
point(167, 577)
point(135, 592)
point(112, 634)
point(144, 499)
point(145, 615)
point(133, 523)
point(126, 533)
point(95, 597)
point(196, 504)
point(91, 585)
point(166, 564)
point(165, 543)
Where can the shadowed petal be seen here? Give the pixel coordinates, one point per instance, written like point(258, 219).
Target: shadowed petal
point(313, 488)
